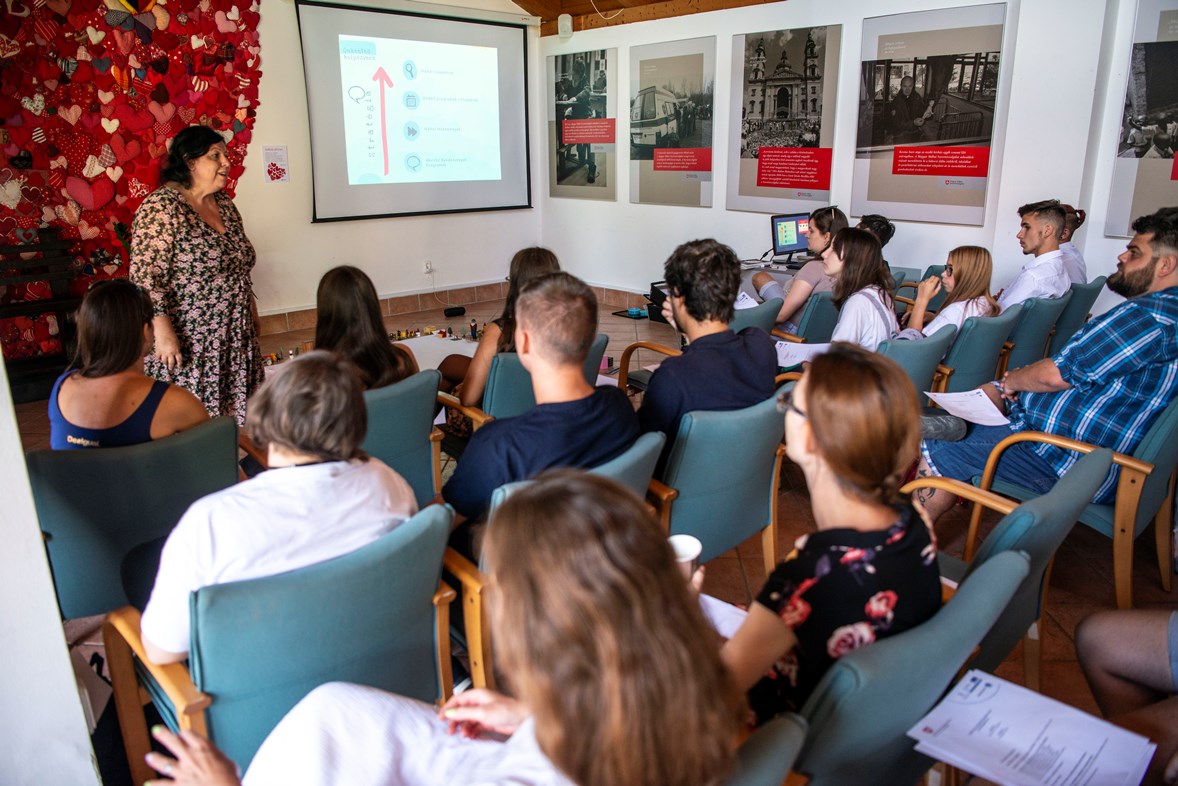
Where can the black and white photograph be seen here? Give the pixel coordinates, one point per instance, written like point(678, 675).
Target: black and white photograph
point(1144, 176)
point(1150, 121)
point(582, 119)
point(935, 100)
point(673, 108)
point(783, 95)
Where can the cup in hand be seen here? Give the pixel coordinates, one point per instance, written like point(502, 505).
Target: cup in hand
point(687, 549)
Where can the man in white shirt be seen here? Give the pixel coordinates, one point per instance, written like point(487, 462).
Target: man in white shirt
point(1039, 233)
point(1073, 260)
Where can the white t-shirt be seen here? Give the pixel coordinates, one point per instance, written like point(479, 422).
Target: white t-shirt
point(1043, 276)
point(865, 319)
point(281, 520)
point(1073, 263)
point(359, 736)
point(956, 313)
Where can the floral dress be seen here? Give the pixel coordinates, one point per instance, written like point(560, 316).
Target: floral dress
point(201, 280)
point(841, 589)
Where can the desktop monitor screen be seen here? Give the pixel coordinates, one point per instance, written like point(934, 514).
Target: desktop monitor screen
point(789, 233)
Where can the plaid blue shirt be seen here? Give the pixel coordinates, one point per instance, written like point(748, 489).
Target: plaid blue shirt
point(1123, 371)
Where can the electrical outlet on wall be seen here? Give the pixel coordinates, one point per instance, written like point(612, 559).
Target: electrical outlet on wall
point(429, 268)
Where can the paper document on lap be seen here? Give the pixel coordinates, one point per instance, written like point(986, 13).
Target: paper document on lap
point(791, 354)
point(745, 300)
point(972, 405)
point(724, 617)
point(1011, 735)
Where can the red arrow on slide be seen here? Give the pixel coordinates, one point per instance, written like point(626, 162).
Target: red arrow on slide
point(382, 77)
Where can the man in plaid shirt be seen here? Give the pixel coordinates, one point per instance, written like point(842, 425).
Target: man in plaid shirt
point(1106, 386)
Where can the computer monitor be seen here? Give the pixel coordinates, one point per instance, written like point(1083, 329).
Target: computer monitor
point(790, 233)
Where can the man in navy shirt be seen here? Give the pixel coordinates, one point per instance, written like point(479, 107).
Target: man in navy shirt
point(573, 423)
point(718, 370)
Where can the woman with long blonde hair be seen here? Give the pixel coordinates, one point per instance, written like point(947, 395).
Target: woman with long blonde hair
point(967, 280)
point(615, 674)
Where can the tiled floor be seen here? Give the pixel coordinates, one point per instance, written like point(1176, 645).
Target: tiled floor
point(1081, 580)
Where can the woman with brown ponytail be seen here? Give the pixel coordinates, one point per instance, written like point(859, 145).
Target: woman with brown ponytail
point(852, 424)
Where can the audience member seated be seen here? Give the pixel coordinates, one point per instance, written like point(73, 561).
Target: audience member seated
point(1042, 225)
point(863, 289)
point(879, 226)
point(1106, 386)
point(825, 223)
point(719, 369)
point(572, 425)
point(1130, 658)
point(870, 571)
point(1073, 260)
point(321, 498)
point(614, 669)
point(466, 377)
point(349, 324)
point(967, 280)
point(109, 401)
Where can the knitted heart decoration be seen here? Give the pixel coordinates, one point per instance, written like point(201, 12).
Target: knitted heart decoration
point(95, 93)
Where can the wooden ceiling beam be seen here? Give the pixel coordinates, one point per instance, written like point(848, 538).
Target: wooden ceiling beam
point(638, 12)
point(547, 10)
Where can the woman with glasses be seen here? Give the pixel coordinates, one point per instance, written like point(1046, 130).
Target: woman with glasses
point(967, 280)
point(852, 424)
point(107, 400)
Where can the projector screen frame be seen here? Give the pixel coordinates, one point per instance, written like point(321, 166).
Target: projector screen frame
point(519, 24)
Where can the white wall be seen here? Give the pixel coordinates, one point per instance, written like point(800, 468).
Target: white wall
point(293, 252)
point(1051, 53)
point(1054, 137)
point(43, 730)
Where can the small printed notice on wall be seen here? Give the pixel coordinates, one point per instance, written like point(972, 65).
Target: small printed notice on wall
point(277, 164)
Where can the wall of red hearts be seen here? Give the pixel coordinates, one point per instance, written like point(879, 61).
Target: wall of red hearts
point(90, 93)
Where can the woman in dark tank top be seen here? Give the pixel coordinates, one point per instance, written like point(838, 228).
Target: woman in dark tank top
point(106, 400)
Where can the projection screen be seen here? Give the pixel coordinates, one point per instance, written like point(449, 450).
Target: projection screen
point(413, 114)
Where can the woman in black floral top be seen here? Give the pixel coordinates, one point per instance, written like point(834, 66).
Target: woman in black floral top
point(190, 252)
point(870, 571)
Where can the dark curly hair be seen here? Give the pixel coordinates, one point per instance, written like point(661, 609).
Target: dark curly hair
point(187, 146)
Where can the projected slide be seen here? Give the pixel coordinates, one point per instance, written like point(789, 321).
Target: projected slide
point(419, 111)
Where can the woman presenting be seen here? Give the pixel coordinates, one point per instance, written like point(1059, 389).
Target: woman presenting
point(190, 252)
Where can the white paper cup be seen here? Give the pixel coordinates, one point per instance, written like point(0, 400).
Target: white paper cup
point(687, 549)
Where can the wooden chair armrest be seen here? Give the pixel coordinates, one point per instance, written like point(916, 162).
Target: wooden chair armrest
point(173, 678)
point(463, 569)
point(974, 494)
point(1126, 462)
point(478, 641)
point(476, 415)
point(445, 594)
point(443, 597)
point(252, 449)
point(906, 300)
point(941, 378)
point(624, 363)
point(788, 376)
point(796, 779)
point(1133, 473)
point(660, 495)
point(435, 437)
point(781, 334)
point(906, 285)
